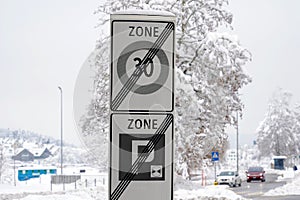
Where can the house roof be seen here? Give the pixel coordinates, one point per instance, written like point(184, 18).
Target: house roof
point(279, 157)
point(37, 152)
point(18, 150)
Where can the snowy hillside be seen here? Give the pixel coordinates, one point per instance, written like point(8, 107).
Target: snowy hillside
point(24, 136)
point(13, 143)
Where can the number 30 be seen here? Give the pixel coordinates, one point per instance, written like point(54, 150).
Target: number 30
point(145, 70)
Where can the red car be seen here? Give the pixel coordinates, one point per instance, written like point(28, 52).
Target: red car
point(255, 173)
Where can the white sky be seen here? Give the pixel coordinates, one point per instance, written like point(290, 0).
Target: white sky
point(43, 44)
point(270, 30)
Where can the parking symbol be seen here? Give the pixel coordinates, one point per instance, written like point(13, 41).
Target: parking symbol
point(137, 148)
point(131, 146)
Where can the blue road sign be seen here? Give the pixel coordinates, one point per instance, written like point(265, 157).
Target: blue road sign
point(215, 156)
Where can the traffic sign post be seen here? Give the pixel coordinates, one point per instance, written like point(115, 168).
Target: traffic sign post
point(142, 105)
point(214, 159)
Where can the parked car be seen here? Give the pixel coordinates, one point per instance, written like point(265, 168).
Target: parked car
point(231, 178)
point(255, 173)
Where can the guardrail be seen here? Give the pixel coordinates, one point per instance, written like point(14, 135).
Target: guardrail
point(59, 179)
point(78, 181)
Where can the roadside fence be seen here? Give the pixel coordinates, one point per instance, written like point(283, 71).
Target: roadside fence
point(70, 182)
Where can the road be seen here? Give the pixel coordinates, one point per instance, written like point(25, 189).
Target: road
point(255, 190)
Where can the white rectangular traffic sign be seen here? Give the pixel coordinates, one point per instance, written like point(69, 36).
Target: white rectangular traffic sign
point(142, 63)
point(141, 156)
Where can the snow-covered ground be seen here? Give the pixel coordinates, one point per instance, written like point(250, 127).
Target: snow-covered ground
point(100, 193)
point(208, 192)
point(39, 189)
point(193, 190)
point(97, 193)
point(291, 188)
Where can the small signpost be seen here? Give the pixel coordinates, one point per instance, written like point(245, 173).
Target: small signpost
point(142, 105)
point(215, 158)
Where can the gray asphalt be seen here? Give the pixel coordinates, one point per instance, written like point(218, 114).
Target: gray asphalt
point(255, 189)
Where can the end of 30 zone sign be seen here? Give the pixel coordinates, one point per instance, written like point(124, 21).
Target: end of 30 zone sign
point(142, 65)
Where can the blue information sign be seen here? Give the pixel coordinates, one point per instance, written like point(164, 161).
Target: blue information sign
point(215, 156)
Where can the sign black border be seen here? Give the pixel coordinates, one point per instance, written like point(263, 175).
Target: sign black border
point(111, 66)
point(110, 150)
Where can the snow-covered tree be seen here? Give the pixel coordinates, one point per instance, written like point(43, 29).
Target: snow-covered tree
point(95, 123)
point(276, 133)
point(209, 75)
point(2, 161)
point(297, 128)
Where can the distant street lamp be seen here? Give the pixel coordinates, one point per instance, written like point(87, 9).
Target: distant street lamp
point(61, 129)
point(14, 135)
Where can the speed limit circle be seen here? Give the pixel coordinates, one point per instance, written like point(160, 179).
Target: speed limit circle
point(163, 65)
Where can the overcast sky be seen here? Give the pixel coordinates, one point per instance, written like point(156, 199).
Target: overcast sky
point(43, 44)
point(270, 30)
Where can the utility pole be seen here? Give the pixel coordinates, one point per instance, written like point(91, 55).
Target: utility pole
point(14, 158)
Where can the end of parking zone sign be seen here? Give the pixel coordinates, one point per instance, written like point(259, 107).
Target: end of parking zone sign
point(141, 156)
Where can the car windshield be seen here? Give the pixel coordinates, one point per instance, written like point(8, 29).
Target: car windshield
point(255, 169)
point(227, 173)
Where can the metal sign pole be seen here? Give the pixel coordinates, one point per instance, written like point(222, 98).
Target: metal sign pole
point(215, 171)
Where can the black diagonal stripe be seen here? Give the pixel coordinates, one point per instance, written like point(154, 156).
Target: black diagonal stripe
point(160, 41)
point(140, 68)
point(142, 158)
